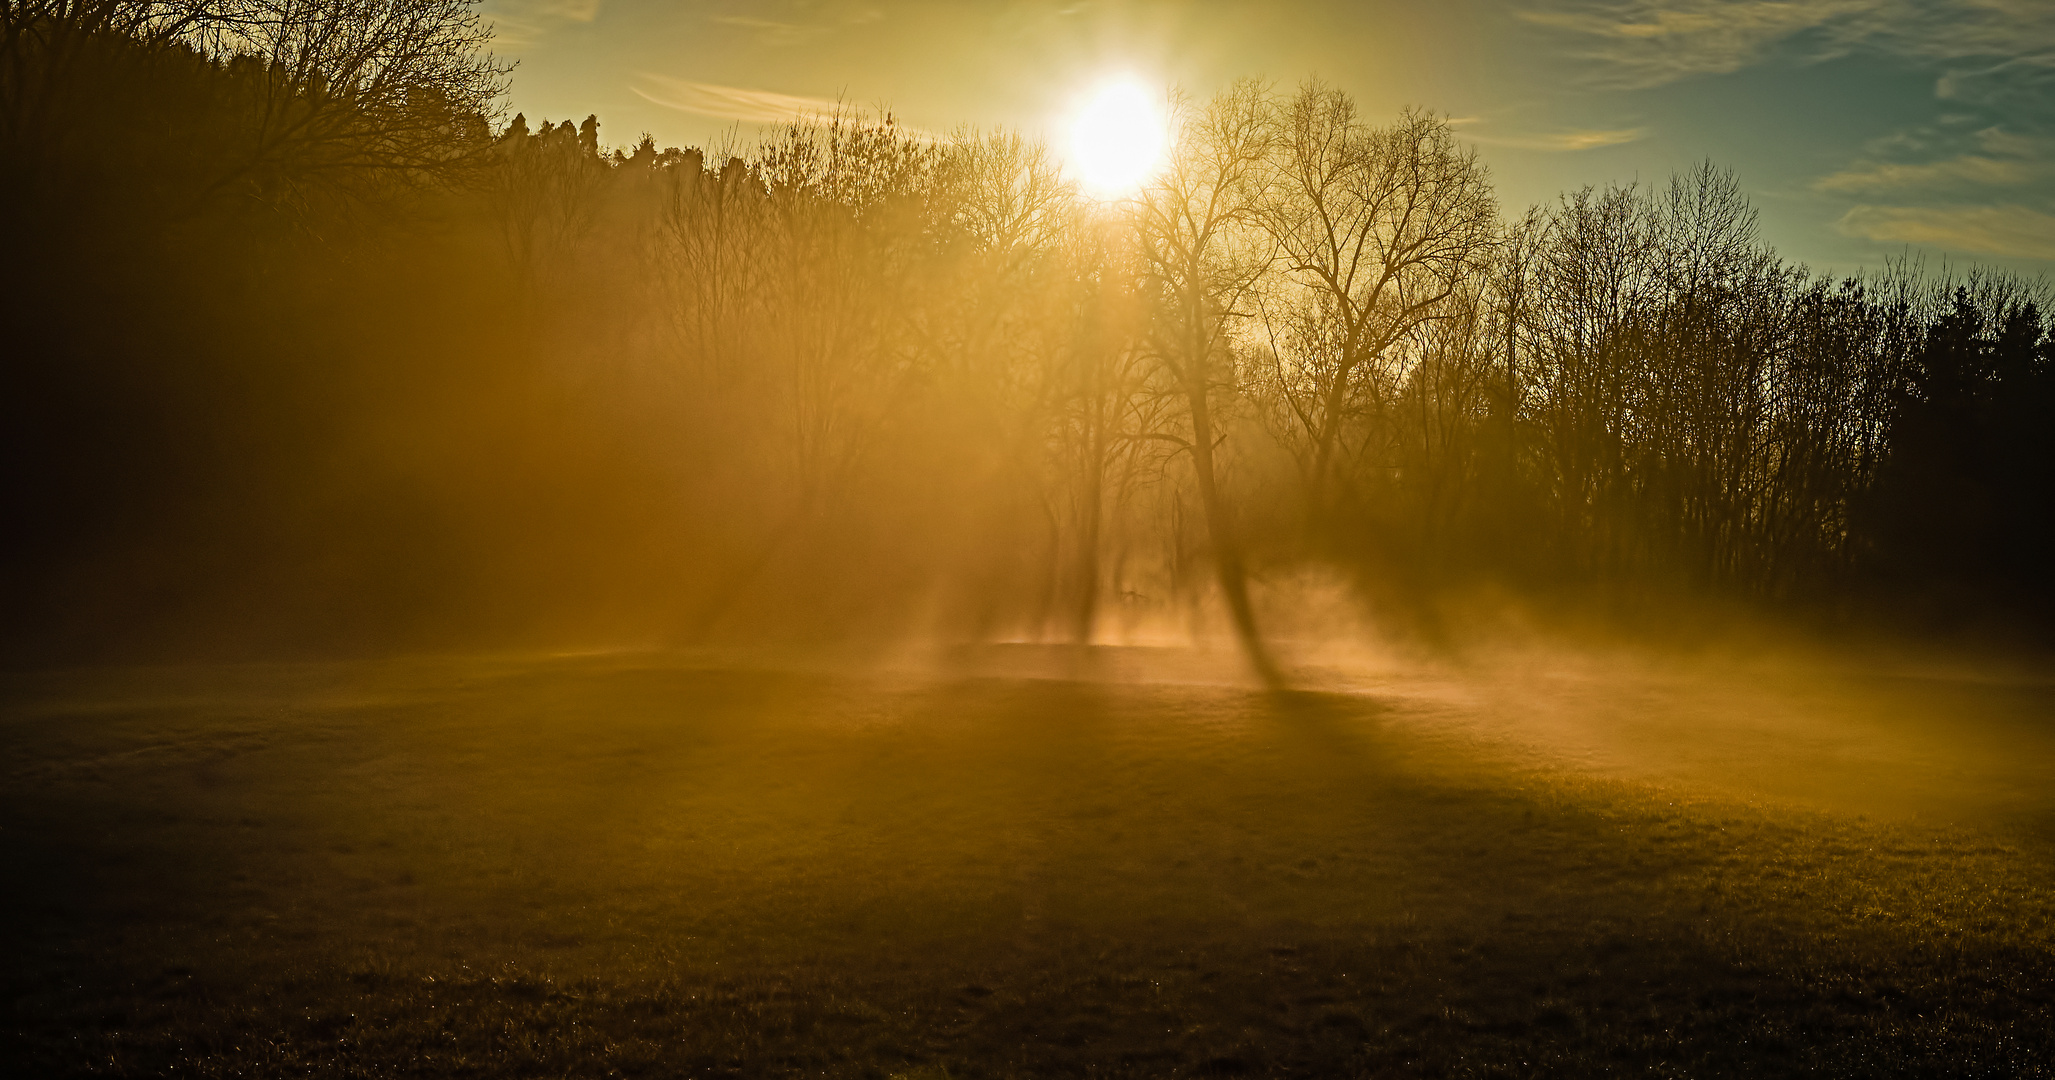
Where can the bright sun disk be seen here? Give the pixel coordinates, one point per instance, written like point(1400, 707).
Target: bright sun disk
point(1117, 139)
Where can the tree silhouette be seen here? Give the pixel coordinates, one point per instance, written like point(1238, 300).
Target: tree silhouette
point(1203, 254)
point(300, 337)
point(1379, 230)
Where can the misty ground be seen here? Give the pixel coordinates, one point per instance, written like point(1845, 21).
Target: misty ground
point(1016, 861)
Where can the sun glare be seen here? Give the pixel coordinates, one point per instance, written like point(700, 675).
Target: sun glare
point(1117, 139)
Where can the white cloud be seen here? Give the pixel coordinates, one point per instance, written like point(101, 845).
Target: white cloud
point(2008, 231)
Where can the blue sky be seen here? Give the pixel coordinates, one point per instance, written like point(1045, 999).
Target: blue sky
point(1861, 129)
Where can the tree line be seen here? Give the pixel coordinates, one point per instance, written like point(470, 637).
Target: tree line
point(316, 351)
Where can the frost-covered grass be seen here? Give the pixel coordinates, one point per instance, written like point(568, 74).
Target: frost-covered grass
point(654, 867)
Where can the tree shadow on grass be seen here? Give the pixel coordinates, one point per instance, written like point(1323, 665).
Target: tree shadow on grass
point(990, 877)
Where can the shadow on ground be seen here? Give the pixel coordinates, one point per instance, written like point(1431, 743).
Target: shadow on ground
point(601, 868)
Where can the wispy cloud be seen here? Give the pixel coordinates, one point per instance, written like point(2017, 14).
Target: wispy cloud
point(798, 21)
point(733, 102)
point(771, 30)
point(1638, 43)
point(2011, 231)
point(1987, 192)
point(1979, 181)
point(1986, 44)
point(523, 22)
point(1561, 141)
point(1947, 175)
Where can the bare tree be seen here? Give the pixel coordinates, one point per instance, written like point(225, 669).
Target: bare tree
point(1105, 414)
point(1202, 254)
point(323, 97)
point(353, 94)
point(44, 43)
point(1379, 229)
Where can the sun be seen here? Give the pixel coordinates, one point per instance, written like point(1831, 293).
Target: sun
point(1118, 138)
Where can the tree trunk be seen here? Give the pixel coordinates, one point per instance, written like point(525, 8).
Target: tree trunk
point(1227, 555)
point(1087, 610)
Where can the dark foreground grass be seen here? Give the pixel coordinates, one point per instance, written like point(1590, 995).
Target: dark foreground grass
point(607, 869)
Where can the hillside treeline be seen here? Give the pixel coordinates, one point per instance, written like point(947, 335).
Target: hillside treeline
point(312, 350)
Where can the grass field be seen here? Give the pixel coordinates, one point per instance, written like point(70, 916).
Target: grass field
point(1016, 862)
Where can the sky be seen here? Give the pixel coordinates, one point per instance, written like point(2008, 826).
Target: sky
point(1862, 130)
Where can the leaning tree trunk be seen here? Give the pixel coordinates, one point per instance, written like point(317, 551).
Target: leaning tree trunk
point(1227, 553)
